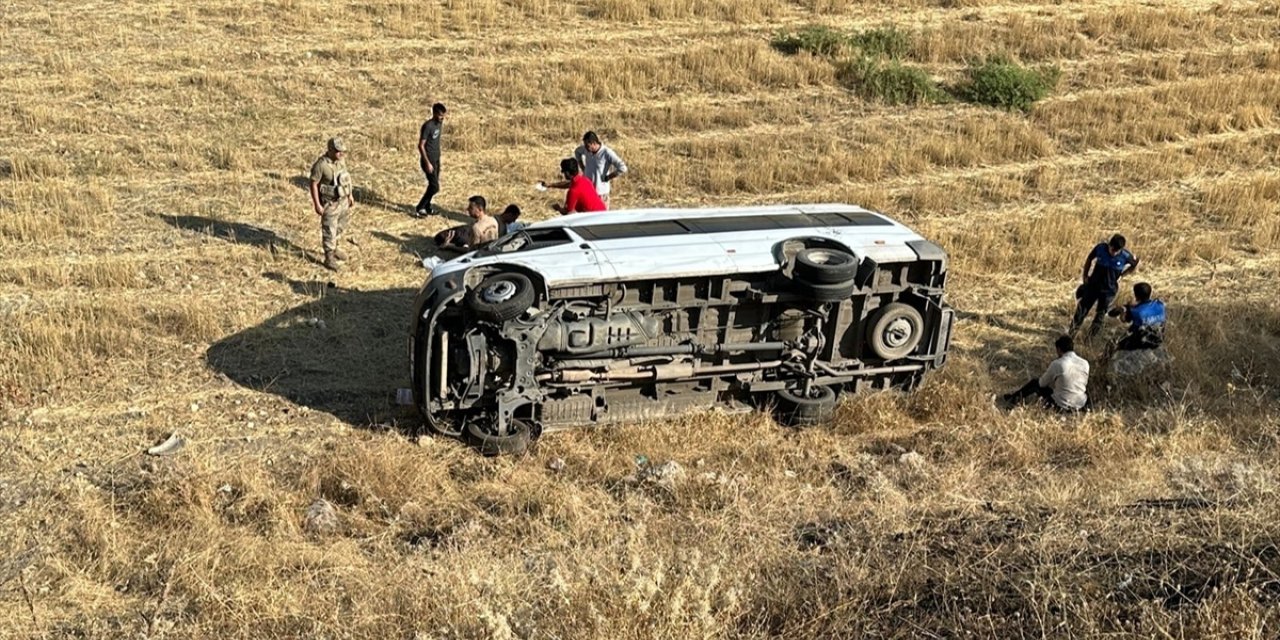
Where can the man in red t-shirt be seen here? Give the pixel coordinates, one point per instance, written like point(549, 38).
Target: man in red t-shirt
point(582, 196)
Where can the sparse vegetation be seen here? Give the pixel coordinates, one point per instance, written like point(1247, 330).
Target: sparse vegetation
point(890, 82)
point(1000, 82)
point(815, 39)
point(885, 42)
point(154, 277)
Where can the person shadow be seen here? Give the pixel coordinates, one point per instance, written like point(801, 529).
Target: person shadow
point(419, 246)
point(342, 353)
point(368, 196)
point(238, 233)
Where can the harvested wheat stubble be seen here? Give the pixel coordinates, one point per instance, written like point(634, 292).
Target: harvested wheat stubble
point(156, 276)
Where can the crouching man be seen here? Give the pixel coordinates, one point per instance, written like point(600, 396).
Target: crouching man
point(1063, 385)
point(1146, 320)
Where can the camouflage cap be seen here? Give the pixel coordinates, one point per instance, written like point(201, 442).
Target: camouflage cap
point(337, 144)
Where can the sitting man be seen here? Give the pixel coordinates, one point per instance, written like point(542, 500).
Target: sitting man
point(508, 220)
point(1146, 320)
point(482, 230)
point(582, 196)
point(1063, 384)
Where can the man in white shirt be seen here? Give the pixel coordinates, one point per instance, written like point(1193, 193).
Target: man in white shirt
point(600, 164)
point(1063, 384)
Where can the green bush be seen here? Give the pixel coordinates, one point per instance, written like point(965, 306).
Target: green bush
point(1000, 82)
point(890, 82)
point(815, 39)
point(885, 42)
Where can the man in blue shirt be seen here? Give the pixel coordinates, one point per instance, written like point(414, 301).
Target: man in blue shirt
point(1106, 264)
point(1146, 320)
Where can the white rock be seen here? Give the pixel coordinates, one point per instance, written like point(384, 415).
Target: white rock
point(664, 475)
point(173, 444)
point(912, 459)
point(321, 517)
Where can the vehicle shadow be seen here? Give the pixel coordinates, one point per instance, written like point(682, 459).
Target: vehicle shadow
point(342, 353)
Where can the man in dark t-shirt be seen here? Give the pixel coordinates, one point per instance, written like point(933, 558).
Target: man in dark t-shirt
point(429, 157)
point(1103, 268)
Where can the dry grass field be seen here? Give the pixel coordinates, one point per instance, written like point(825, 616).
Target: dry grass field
point(158, 274)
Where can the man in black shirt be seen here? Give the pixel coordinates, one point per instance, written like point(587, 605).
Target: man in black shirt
point(429, 157)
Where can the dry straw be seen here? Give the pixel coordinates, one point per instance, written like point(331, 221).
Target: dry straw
point(157, 274)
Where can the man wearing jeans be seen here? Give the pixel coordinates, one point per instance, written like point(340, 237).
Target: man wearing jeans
point(600, 164)
point(1103, 268)
point(1063, 384)
point(429, 157)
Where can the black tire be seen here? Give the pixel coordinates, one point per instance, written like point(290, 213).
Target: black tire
point(502, 297)
point(895, 331)
point(515, 442)
point(825, 266)
point(827, 292)
point(799, 410)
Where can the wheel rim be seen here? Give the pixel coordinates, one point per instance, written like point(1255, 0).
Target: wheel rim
point(823, 257)
point(497, 292)
point(898, 333)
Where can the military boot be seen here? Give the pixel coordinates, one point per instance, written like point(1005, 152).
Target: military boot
point(339, 254)
point(331, 261)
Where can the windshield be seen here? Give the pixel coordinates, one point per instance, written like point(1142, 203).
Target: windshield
point(527, 240)
point(510, 242)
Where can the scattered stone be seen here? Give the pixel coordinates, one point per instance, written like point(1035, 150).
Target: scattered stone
point(556, 464)
point(341, 492)
point(912, 459)
point(664, 475)
point(321, 517)
point(173, 444)
point(1126, 364)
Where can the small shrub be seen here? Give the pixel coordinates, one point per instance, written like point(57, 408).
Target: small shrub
point(1000, 82)
point(890, 82)
point(815, 39)
point(885, 42)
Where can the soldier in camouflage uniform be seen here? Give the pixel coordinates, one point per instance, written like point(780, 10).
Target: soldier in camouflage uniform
point(331, 198)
